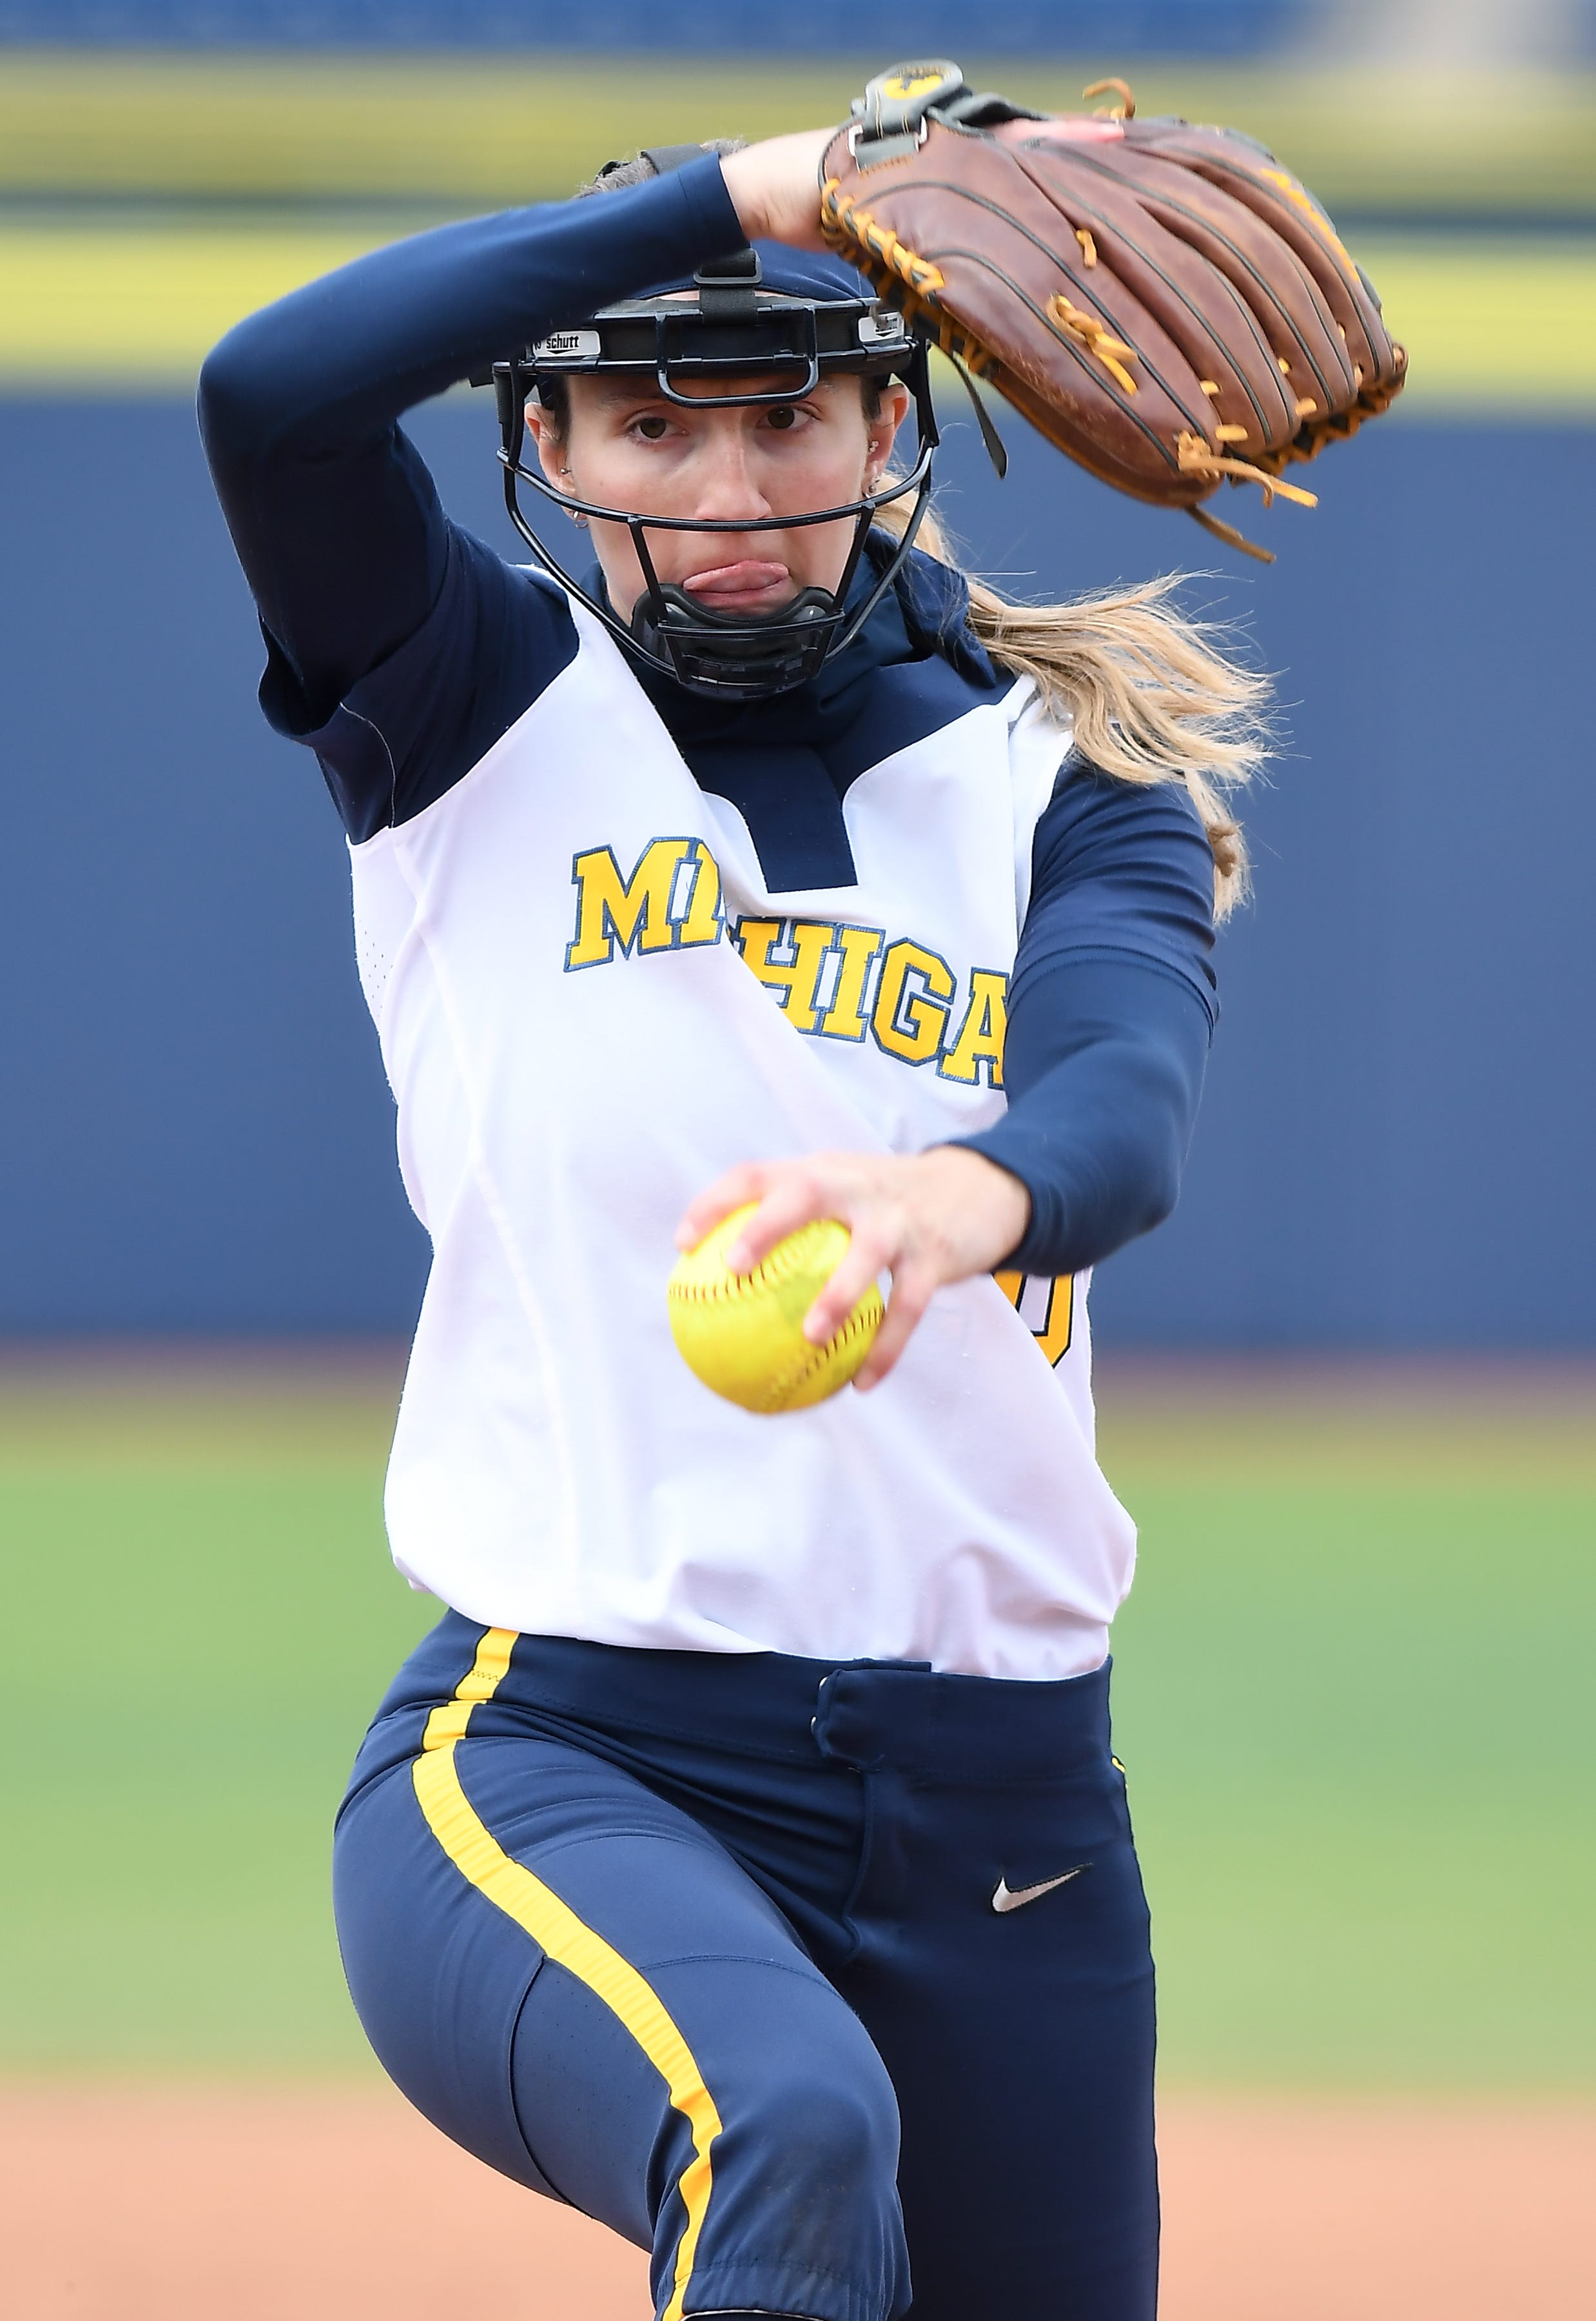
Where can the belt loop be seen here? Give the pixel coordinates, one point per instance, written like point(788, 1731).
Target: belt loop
point(869, 1714)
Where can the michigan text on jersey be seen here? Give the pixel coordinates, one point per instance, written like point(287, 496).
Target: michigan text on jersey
point(833, 980)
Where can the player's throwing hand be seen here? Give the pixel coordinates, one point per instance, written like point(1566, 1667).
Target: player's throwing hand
point(928, 1219)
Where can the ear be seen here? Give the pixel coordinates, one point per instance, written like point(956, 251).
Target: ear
point(551, 456)
point(882, 432)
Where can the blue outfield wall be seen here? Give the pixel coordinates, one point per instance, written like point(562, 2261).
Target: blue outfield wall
point(1397, 1142)
point(1033, 28)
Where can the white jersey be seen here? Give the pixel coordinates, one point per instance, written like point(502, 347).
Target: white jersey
point(589, 1007)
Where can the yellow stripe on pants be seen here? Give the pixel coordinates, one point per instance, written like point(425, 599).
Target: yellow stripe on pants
point(561, 1936)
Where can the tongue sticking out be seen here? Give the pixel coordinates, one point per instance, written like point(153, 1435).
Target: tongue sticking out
point(746, 587)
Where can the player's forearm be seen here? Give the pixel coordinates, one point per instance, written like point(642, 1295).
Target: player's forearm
point(360, 346)
point(333, 515)
point(1104, 1064)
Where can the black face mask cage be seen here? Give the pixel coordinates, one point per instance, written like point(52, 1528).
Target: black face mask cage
point(709, 653)
point(673, 353)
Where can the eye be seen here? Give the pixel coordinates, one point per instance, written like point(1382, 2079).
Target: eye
point(782, 417)
point(651, 426)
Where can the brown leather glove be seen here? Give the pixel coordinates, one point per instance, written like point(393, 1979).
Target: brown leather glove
point(1164, 302)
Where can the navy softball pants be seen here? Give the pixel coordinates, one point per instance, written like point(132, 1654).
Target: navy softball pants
point(707, 1946)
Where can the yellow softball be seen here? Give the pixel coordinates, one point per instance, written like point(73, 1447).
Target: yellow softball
point(742, 1333)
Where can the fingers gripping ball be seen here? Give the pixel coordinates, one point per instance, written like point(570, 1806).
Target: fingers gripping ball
point(742, 1333)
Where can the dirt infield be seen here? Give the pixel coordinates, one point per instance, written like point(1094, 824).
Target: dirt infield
point(127, 2203)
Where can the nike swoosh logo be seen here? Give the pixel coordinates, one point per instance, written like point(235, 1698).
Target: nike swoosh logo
point(1007, 1897)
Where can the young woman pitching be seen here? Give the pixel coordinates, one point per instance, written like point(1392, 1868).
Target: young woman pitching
point(741, 1859)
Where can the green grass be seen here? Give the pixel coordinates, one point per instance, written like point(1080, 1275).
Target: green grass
point(1353, 1690)
point(1361, 1780)
point(1352, 1687)
point(199, 1617)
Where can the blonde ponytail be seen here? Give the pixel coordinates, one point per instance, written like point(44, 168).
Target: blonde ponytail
point(1151, 698)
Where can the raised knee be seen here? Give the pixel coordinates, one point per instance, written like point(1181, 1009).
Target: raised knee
point(804, 2207)
point(838, 2129)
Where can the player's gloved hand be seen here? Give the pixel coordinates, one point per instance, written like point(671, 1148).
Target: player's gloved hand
point(928, 1219)
point(775, 188)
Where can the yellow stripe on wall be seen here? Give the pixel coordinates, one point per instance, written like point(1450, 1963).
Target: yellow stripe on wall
point(562, 1936)
point(1502, 326)
point(139, 307)
point(1491, 323)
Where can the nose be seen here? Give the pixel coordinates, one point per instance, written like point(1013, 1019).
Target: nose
point(728, 491)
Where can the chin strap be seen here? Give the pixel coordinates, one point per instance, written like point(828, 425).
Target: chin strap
point(716, 653)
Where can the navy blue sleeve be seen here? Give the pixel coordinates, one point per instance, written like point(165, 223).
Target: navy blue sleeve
point(496, 638)
point(336, 521)
point(1111, 1007)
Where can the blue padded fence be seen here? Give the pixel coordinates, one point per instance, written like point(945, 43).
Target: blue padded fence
point(1036, 28)
point(1396, 1144)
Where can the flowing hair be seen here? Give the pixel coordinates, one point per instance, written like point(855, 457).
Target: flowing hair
point(1151, 696)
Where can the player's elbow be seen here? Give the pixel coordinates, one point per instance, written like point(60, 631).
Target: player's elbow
point(230, 402)
point(1162, 1162)
point(1158, 1104)
point(251, 394)
point(1124, 1196)
point(1129, 1181)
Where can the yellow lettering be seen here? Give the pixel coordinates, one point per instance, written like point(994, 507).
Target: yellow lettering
point(634, 911)
point(702, 921)
point(908, 1022)
point(845, 1017)
point(1047, 1308)
point(798, 984)
point(981, 1035)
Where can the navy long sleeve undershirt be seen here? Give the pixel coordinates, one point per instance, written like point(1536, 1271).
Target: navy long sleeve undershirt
point(399, 648)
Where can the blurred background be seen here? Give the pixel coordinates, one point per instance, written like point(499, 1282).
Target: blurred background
point(1348, 1390)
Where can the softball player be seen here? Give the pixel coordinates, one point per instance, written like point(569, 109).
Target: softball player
point(742, 1858)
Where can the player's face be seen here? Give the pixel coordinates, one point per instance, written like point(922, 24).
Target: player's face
point(627, 446)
